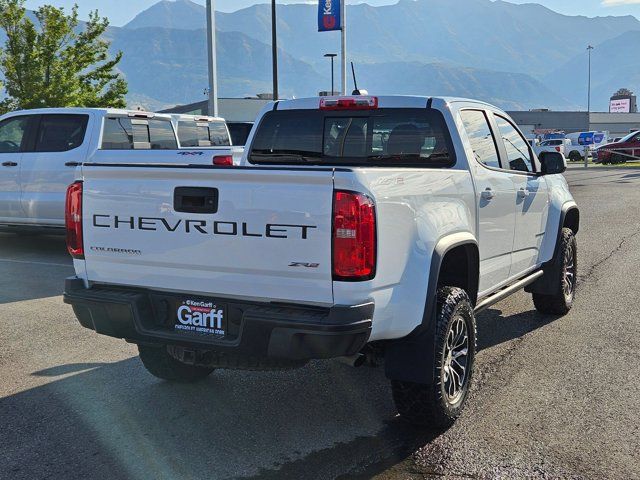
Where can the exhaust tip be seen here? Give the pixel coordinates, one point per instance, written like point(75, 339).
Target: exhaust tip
point(354, 361)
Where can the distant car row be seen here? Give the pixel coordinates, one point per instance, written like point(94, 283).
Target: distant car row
point(39, 150)
point(601, 148)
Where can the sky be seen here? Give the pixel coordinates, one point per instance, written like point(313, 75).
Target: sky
point(122, 11)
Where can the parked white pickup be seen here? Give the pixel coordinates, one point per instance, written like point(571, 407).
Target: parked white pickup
point(40, 150)
point(354, 226)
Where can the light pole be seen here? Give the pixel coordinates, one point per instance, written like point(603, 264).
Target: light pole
point(274, 49)
point(589, 48)
point(586, 148)
point(213, 69)
point(331, 56)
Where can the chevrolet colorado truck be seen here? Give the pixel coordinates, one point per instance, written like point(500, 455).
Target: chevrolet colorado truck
point(355, 227)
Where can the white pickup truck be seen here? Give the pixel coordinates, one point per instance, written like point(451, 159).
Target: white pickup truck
point(40, 150)
point(355, 227)
point(560, 145)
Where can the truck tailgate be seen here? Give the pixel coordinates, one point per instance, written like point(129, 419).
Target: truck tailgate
point(250, 233)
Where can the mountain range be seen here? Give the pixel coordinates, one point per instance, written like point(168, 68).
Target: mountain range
point(516, 56)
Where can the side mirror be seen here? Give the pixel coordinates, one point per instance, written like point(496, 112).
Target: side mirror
point(552, 163)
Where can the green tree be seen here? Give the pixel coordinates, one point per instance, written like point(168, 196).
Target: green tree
point(56, 63)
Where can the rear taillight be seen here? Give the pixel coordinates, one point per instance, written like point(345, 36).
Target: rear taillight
point(73, 220)
point(354, 236)
point(223, 160)
point(557, 149)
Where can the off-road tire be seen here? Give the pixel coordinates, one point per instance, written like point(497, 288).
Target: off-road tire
point(428, 405)
point(561, 301)
point(161, 364)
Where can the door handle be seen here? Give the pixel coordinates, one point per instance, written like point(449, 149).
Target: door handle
point(72, 164)
point(488, 194)
point(522, 193)
point(9, 164)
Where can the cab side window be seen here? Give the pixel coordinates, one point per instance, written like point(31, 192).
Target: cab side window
point(122, 133)
point(12, 134)
point(60, 133)
point(481, 138)
point(518, 154)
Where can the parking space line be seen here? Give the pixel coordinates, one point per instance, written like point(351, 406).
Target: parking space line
point(49, 264)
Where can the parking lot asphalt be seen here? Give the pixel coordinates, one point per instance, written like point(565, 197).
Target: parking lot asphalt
point(553, 397)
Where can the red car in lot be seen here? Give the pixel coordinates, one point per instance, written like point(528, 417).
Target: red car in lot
point(620, 152)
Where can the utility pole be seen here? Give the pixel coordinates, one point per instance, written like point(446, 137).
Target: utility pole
point(332, 56)
point(343, 16)
point(213, 68)
point(274, 49)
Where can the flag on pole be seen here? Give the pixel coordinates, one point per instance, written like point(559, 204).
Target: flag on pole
point(329, 17)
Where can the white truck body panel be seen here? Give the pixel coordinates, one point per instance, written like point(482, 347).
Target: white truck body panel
point(241, 251)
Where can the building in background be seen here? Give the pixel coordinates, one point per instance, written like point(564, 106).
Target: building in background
point(623, 101)
point(539, 121)
point(231, 109)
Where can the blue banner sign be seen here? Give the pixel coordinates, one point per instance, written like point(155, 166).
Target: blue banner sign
point(329, 15)
point(590, 138)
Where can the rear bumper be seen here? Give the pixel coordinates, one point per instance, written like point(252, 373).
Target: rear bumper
point(287, 331)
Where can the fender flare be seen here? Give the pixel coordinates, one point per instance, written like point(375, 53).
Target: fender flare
point(411, 359)
point(548, 284)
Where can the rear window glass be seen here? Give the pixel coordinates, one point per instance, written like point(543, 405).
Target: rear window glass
point(399, 137)
point(203, 134)
point(122, 133)
point(552, 143)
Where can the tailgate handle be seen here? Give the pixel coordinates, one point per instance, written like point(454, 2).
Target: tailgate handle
point(195, 200)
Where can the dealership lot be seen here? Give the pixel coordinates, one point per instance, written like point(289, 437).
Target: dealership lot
point(552, 398)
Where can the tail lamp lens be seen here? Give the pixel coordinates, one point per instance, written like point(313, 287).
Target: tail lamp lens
point(223, 160)
point(354, 236)
point(73, 220)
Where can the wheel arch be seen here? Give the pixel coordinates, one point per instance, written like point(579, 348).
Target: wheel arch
point(548, 283)
point(455, 259)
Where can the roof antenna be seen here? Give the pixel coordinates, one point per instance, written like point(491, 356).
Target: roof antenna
point(355, 83)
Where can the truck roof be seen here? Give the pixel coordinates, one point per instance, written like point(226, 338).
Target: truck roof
point(85, 110)
point(384, 101)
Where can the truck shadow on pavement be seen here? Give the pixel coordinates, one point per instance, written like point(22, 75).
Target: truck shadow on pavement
point(326, 420)
point(117, 421)
point(494, 328)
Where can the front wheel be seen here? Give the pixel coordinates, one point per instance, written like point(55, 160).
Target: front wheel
point(159, 363)
point(561, 301)
point(440, 404)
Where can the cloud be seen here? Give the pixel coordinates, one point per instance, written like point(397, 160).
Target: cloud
point(617, 3)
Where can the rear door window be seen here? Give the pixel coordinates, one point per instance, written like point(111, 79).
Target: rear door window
point(385, 137)
point(482, 141)
point(60, 132)
point(12, 134)
point(123, 133)
point(203, 134)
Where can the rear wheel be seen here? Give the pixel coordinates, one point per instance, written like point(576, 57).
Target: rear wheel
point(575, 156)
point(561, 301)
point(158, 362)
point(440, 404)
